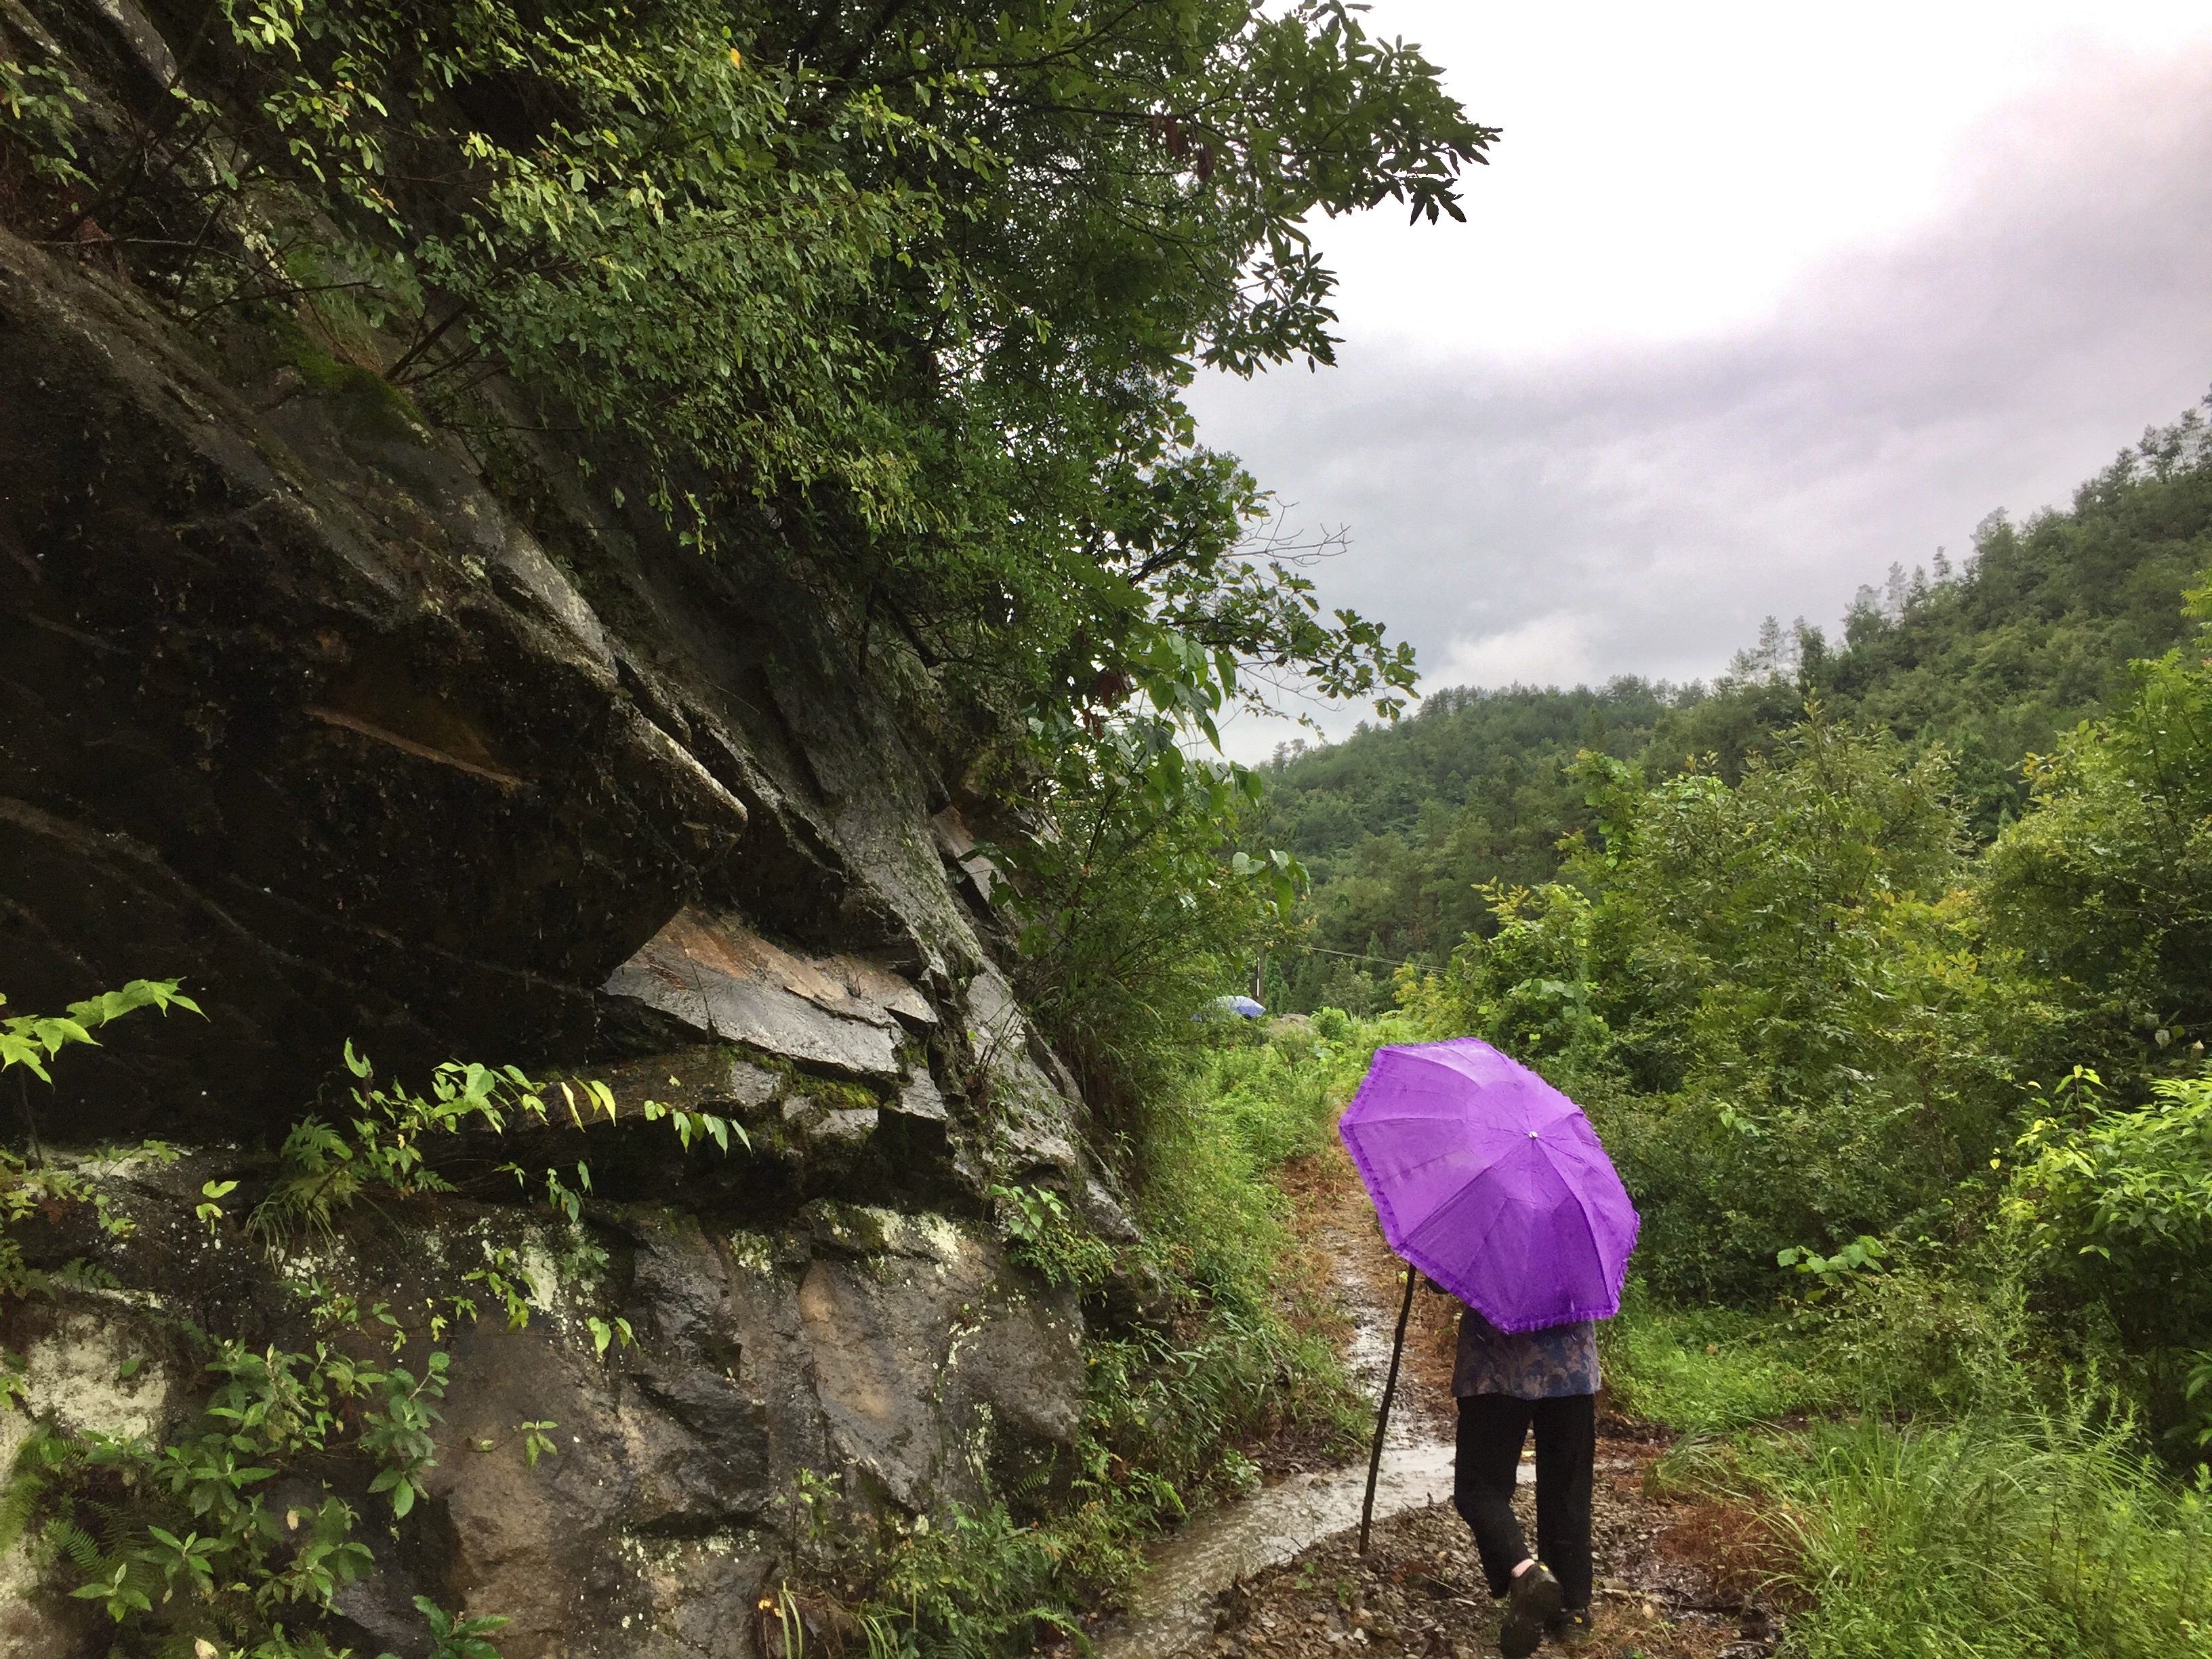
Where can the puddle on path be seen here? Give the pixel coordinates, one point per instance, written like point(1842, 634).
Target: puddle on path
point(1172, 1606)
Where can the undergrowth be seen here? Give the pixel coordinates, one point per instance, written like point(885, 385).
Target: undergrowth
point(1981, 1510)
point(2047, 1533)
point(1707, 1371)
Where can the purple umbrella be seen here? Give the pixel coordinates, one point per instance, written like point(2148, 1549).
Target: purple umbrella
point(1491, 1183)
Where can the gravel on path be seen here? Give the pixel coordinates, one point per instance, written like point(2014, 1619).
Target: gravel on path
point(1420, 1592)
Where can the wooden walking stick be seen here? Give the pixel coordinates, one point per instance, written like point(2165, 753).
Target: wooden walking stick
point(1383, 1417)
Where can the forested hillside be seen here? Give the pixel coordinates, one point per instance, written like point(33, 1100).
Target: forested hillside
point(1991, 659)
point(1399, 826)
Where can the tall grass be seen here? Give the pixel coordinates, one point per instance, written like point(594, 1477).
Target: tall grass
point(1707, 1371)
point(1998, 1536)
point(1222, 1225)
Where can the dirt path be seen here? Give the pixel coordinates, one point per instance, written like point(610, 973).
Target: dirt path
point(1275, 1574)
point(1174, 1607)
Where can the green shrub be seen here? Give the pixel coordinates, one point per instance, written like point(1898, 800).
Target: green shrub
point(1992, 1537)
point(1926, 1333)
point(1765, 994)
point(2110, 1211)
point(2118, 1209)
point(2101, 893)
point(1137, 912)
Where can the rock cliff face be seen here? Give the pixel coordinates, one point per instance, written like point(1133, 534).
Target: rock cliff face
point(297, 706)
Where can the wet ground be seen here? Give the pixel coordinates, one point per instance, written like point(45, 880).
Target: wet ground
point(1277, 1574)
point(1175, 1605)
point(1418, 1592)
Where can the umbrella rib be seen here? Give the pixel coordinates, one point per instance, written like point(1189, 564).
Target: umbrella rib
point(1597, 1250)
point(1473, 1176)
point(1481, 1243)
point(1590, 1231)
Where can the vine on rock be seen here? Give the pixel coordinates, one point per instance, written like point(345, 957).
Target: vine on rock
point(184, 1541)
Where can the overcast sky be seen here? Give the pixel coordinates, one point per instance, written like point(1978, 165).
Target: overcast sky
point(1753, 301)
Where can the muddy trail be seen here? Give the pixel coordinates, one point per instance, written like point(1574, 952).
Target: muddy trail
point(1277, 1573)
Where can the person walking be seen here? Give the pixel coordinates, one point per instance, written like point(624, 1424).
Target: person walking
point(1493, 1183)
point(1506, 1384)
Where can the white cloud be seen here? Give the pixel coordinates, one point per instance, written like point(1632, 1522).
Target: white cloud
point(1638, 505)
point(1554, 649)
point(1669, 171)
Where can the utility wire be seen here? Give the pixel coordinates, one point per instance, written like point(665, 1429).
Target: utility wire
point(1353, 956)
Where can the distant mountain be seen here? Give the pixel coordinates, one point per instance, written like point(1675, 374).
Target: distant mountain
point(1401, 825)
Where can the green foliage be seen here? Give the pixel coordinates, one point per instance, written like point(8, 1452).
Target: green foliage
point(1833, 1271)
point(1769, 993)
point(1138, 910)
point(199, 1551)
point(911, 300)
point(1817, 1032)
point(1276, 1102)
point(2046, 1534)
point(389, 1144)
point(1995, 659)
point(2104, 889)
point(1812, 1029)
point(182, 1541)
point(658, 243)
point(1812, 1026)
point(29, 1041)
point(1239, 1361)
point(1043, 1232)
point(979, 1584)
point(30, 1183)
point(457, 1635)
point(1708, 1369)
point(175, 1539)
point(1403, 825)
point(2118, 1209)
point(1938, 1329)
point(1529, 987)
point(39, 105)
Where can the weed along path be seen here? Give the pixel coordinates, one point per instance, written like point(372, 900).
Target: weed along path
point(1174, 1606)
point(1277, 1573)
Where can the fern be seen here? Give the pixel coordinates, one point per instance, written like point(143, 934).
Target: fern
point(62, 1538)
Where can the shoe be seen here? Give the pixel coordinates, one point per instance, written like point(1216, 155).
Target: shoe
point(1530, 1605)
point(1569, 1628)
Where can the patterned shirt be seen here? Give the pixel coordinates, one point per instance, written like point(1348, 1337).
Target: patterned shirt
point(1542, 1364)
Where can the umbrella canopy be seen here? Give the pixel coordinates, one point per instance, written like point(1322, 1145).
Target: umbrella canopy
point(1491, 1183)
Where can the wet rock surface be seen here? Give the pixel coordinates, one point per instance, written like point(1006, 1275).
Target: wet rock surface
point(293, 705)
point(297, 706)
point(897, 1352)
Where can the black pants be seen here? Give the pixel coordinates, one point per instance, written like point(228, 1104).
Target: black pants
point(1491, 1427)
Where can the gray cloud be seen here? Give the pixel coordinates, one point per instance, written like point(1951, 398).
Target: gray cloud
point(1638, 509)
